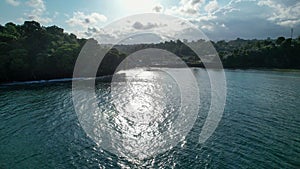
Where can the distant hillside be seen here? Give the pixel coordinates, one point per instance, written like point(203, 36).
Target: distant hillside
point(34, 52)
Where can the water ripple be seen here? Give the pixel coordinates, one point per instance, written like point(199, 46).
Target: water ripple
point(259, 129)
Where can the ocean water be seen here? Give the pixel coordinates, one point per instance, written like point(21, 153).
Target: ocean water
point(39, 127)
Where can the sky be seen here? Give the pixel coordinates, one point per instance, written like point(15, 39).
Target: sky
point(218, 19)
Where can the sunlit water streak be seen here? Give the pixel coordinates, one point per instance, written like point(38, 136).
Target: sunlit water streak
point(146, 106)
point(259, 128)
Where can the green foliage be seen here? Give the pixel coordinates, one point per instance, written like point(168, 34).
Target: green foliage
point(280, 40)
point(280, 53)
point(243, 54)
point(33, 52)
point(18, 64)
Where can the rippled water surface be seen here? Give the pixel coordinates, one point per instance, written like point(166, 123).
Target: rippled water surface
point(259, 129)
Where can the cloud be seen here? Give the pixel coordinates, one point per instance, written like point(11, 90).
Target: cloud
point(83, 20)
point(146, 29)
point(158, 8)
point(289, 23)
point(208, 27)
point(219, 20)
point(38, 5)
point(103, 36)
point(188, 8)
point(139, 26)
point(13, 2)
point(38, 10)
point(236, 18)
point(281, 14)
point(211, 6)
point(205, 15)
point(93, 30)
point(230, 7)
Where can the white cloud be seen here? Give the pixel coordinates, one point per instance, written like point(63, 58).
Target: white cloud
point(202, 13)
point(289, 23)
point(38, 5)
point(211, 6)
point(212, 26)
point(120, 31)
point(38, 10)
point(102, 35)
point(208, 27)
point(13, 2)
point(282, 15)
point(81, 19)
point(39, 19)
point(230, 7)
point(187, 8)
point(206, 17)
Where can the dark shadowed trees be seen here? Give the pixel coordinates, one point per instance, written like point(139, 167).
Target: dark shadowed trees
point(33, 52)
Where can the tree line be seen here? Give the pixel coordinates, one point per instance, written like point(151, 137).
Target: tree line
point(34, 52)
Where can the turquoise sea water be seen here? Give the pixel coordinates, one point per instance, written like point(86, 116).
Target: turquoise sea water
point(259, 129)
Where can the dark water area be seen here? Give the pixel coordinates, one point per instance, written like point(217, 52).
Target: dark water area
point(259, 128)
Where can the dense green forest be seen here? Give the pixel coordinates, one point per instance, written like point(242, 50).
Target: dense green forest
point(34, 52)
point(30, 51)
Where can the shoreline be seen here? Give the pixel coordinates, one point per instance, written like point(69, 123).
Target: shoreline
point(106, 78)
